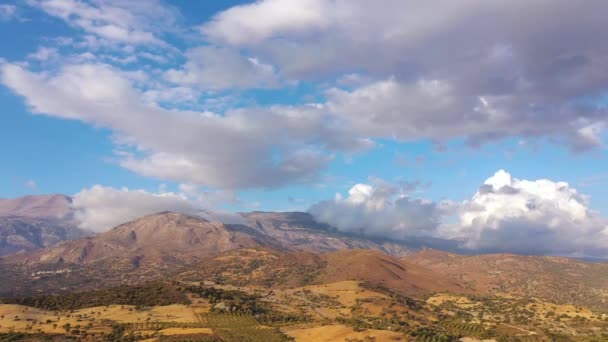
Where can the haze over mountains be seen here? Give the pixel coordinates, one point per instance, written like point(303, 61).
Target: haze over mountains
point(41, 206)
point(33, 222)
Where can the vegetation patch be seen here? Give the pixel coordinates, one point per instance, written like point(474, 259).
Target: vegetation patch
point(153, 294)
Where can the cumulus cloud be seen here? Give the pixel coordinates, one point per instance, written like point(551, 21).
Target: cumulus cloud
point(476, 69)
point(523, 216)
point(505, 215)
point(380, 209)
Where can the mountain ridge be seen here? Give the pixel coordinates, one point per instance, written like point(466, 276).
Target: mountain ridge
point(30, 223)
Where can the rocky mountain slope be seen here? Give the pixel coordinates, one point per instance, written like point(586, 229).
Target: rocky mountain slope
point(147, 248)
point(31, 223)
point(53, 215)
point(26, 234)
point(164, 238)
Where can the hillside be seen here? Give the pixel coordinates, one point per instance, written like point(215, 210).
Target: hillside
point(267, 268)
point(337, 311)
point(154, 239)
point(146, 248)
point(26, 234)
point(558, 279)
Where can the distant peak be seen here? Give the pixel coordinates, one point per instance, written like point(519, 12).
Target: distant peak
point(172, 215)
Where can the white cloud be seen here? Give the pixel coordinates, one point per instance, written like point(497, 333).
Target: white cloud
point(380, 210)
point(7, 12)
point(220, 68)
point(44, 54)
point(505, 215)
point(167, 96)
point(432, 109)
point(101, 208)
point(133, 22)
point(398, 70)
point(476, 69)
point(153, 57)
point(260, 147)
point(540, 217)
point(261, 20)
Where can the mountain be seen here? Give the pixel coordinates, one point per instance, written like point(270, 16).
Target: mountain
point(147, 248)
point(30, 223)
point(210, 271)
point(26, 234)
point(46, 220)
point(43, 221)
point(300, 231)
point(157, 239)
point(558, 279)
point(43, 206)
point(275, 269)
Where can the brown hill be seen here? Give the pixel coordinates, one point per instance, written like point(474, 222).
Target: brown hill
point(157, 239)
point(557, 279)
point(300, 231)
point(380, 268)
point(270, 268)
point(144, 249)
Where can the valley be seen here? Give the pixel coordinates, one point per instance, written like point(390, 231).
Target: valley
point(338, 311)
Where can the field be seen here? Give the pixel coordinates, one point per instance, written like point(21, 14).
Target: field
point(152, 323)
point(340, 333)
point(338, 311)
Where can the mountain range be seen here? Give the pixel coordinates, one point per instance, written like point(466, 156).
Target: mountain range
point(284, 269)
point(272, 249)
point(34, 222)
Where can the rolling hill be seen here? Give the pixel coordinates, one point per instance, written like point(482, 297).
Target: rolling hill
point(272, 269)
point(558, 279)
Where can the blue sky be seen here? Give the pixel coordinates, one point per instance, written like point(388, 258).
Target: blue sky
point(280, 105)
